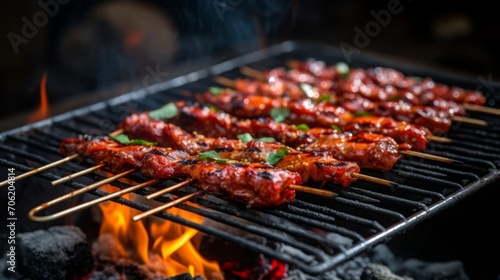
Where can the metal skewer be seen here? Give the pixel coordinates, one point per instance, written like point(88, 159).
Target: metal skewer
point(169, 189)
point(165, 206)
point(40, 169)
point(65, 212)
point(76, 175)
point(80, 191)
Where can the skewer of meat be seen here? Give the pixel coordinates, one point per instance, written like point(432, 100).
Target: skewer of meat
point(366, 149)
point(436, 115)
point(383, 83)
point(437, 120)
point(257, 184)
point(315, 166)
point(314, 114)
point(416, 91)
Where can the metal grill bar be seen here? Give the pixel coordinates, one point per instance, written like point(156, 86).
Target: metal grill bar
point(365, 213)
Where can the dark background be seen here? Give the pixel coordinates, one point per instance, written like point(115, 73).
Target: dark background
point(94, 50)
point(98, 49)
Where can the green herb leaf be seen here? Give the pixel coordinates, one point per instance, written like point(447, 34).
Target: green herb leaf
point(324, 98)
point(307, 89)
point(303, 127)
point(209, 155)
point(123, 139)
point(273, 158)
point(166, 112)
point(245, 137)
point(120, 138)
point(337, 128)
point(215, 90)
point(266, 139)
point(362, 114)
point(142, 142)
point(213, 155)
point(343, 69)
point(280, 114)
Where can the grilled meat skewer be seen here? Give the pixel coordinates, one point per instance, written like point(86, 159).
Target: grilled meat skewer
point(366, 149)
point(380, 83)
point(257, 184)
point(436, 118)
point(316, 166)
point(315, 115)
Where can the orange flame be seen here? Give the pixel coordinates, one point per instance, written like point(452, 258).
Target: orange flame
point(167, 249)
point(43, 110)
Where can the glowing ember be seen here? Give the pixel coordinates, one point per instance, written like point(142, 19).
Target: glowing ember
point(43, 110)
point(163, 246)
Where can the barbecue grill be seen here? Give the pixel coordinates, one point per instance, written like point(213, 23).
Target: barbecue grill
point(311, 233)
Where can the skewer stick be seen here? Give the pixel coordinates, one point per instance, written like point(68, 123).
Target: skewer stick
point(224, 81)
point(312, 190)
point(40, 169)
point(469, 120)
point(80, 191)
point(165, 206)
point(372, 179)
point(430, 157)
point(254, 73)
point(50, 165)
point(116, 132)
point(65, 212)
point(76, 175)
point(169, 189)
point(481, 109)
point(439, 139)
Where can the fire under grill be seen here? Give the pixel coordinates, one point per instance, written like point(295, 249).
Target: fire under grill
point(311, 233)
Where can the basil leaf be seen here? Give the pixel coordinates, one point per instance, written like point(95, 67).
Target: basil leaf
point(362, 114)
point(123, 139)
point(120, 138)
point(307, 89)
point(325, 98)
point(335, 127)
point(142, 142)
point(280, 114)
point(343, 69)
point(245, 137)
point(274, 157)
point(215, 90)
point(213, 155)
point(209, 155)
point(166, 112)
point(266, 139)
point(302, 126)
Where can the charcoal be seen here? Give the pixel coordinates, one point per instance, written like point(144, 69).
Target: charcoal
point(380, 272)
point(61, 252)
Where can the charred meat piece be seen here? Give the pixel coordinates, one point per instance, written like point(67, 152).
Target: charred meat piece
point(256, 184)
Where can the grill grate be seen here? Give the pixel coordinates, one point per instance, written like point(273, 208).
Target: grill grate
point(311, 233)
